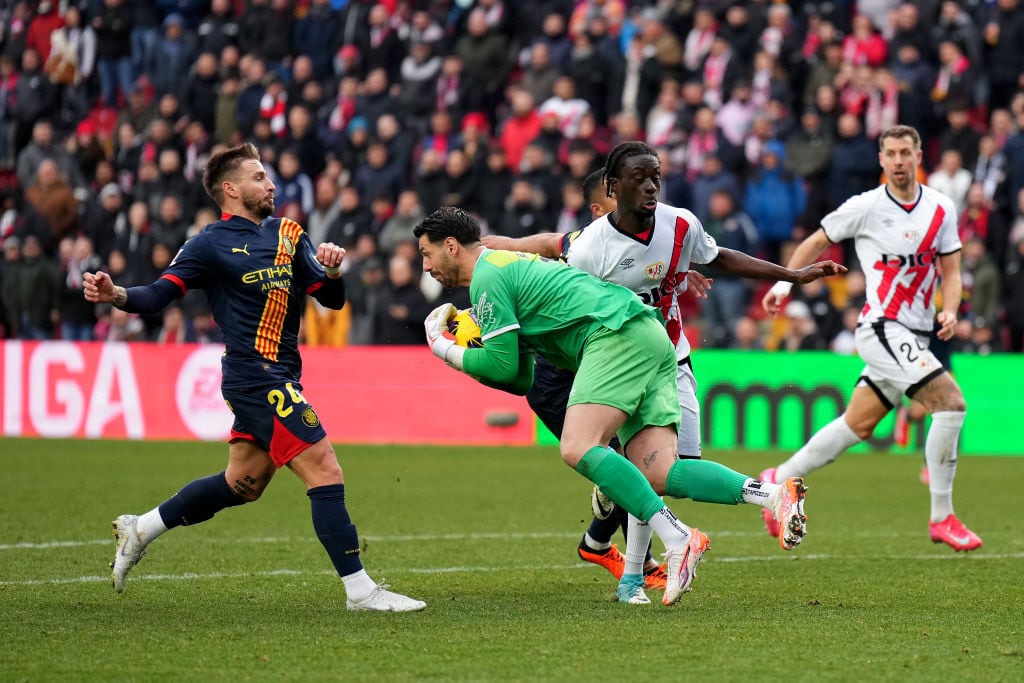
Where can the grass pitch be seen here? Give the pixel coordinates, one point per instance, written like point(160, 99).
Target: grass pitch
point(487, 537)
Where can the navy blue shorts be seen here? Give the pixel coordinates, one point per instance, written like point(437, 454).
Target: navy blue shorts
point(278, 419)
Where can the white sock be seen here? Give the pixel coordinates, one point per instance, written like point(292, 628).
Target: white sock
point(940, 447)
point(589, 541)
point(638, 536)
point(672, 532)
point(758, 492)
point(150, 525)
point(358, 585)
point(825, 446)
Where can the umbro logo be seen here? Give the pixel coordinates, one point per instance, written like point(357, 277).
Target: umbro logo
point(626, 263)
point(243, 250)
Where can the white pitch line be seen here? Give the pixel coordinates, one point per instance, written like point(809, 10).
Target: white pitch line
point(396, 538)
point(418, 538)
point(479, 569)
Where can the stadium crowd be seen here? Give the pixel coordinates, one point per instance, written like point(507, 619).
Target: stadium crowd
point(370, 115)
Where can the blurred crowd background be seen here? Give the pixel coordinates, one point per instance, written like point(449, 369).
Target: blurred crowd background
point(369, 115)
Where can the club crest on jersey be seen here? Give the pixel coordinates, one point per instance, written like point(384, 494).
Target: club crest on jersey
point(655, 270)
point(911, 236)
point(484, 311)
point(288, 245)
point(309, 418)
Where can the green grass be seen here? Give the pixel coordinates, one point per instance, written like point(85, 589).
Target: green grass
point(487, 537)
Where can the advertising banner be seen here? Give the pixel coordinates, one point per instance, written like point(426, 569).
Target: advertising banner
point(151, 391)
point(753, 399)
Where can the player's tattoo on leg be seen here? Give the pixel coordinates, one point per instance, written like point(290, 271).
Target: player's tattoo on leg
point(648, 460)
point(245, 487)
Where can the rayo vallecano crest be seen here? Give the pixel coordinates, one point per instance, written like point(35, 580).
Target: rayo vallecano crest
point(911, 236)
point(655, 271)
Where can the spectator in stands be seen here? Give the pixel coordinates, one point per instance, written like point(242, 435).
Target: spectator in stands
point(495, 185)
point(35, 98)
point(108, 220)
point(801, 332)
point(316, 36)
point(170, 226)
point(418, 76)
point(1004, 36)
point(175, 328)
point(293, 185)
point(175, 53)
point(353, 221)
point(199, 95)
point(113, 24)
point(402, 306)
point(732, 229)
point(951, 178)
point(854, 167)
point(77, 316)
point(219, 28)
point(522, 125)
point(540, 74)
point(52, 197)
point(380, 45)
point(485, 58)
point(809, 156)
point(774, 200)
point(1014, 298)
point(524, 213)
point(461, 182)
point(747, 335)
point(712, 177)
point(30, 292)
point(398, 229)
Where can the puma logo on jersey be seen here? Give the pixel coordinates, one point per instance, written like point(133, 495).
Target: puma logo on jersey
point(243, 250)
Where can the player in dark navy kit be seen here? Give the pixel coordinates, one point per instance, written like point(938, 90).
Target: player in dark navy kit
point(255, 270)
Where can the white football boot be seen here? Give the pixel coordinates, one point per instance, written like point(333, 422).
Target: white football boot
point(130, 549)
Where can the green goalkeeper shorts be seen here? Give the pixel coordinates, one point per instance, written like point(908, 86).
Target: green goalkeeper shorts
point(632, 369)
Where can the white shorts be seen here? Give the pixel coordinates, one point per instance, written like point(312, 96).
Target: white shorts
point(898, 360)
point(689, 423)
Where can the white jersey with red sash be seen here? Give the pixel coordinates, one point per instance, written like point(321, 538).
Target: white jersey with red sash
point(898, 246)
point(653, 265)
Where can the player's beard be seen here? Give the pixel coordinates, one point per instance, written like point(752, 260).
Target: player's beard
point(446, 272)
point(259, 208)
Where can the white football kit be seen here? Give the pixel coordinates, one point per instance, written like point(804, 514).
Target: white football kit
point(655, 269)
point(898, 246)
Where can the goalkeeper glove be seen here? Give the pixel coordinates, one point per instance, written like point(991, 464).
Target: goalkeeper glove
point(441, 341)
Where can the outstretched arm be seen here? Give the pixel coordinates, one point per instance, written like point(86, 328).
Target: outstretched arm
point(100, 289)
point(546, 244)
point(801, 261)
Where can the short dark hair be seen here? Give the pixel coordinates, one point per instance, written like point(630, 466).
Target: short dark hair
point(592, 183)
point(223, 164)
point(449, 221)
point(623, 151)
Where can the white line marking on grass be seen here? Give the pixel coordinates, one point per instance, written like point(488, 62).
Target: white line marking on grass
point(477, 569)
point(50, 544)
point(397, 538)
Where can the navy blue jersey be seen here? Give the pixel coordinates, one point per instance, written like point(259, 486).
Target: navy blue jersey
point(254, 277)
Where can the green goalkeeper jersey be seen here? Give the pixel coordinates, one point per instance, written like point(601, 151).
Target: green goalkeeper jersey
point(553, 307)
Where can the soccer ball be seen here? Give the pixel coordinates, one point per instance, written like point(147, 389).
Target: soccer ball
point(464, 327)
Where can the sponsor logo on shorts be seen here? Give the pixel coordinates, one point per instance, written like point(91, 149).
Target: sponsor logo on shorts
point(309, 418)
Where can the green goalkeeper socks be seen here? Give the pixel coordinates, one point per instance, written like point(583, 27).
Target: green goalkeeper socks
point(705, 482)
point(621, 481)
